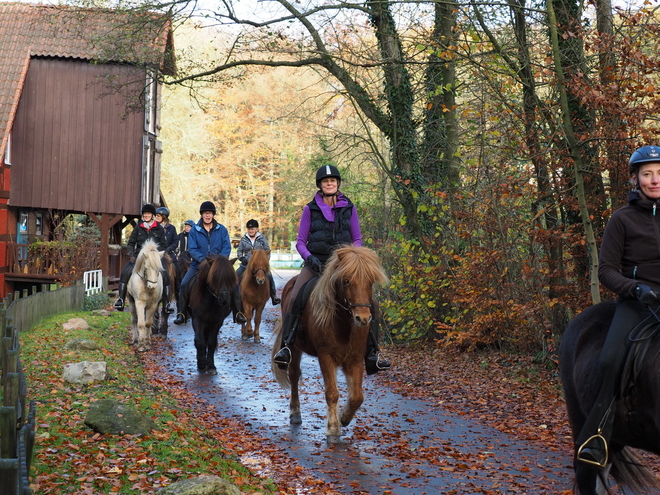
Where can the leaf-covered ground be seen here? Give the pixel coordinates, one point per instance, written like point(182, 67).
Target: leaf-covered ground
point(510, 393)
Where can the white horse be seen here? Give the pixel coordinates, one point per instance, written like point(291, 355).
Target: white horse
point(145, 288)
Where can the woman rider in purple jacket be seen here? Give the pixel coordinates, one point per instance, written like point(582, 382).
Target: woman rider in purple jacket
point(629, 265)
point(329, 221)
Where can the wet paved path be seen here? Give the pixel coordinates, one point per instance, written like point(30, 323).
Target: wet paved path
point(395, 445)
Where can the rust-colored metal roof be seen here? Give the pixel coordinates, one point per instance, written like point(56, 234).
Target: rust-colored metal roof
point(28, 30)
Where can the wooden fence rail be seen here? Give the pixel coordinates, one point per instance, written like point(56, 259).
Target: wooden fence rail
point(17, 421)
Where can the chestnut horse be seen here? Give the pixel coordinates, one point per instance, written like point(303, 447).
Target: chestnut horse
point(334, 327)
point(210, 304)
point(145, 288)
point(636, 410)
point(255, 292)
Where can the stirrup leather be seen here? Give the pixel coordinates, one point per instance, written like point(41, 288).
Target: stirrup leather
point(589, 461)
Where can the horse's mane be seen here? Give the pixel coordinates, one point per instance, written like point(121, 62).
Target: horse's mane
point(216, 274)
point(356, 265)
point(259, 259)
point(148, 255)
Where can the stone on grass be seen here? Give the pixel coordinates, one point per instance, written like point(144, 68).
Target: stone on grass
point(85, 372)
point(81, 345)
point(76, 323)
point(113, 417)
point(201, 485)
point(101, 312)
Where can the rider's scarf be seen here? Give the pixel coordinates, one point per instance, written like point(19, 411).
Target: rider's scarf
point(148, 226)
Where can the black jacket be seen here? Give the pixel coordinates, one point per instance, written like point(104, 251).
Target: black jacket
point(630, 250)
point(141, 234)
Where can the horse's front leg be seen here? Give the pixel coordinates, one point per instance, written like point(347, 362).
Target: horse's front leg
point(257, 323)
point(200, 345)
point(134, 322)
point(144, 343)
point(295, 418)
point(353, 375)
point(211, 346)
point(246, 328)
point(329, 371)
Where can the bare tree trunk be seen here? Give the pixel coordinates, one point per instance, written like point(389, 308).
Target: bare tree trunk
point(576, 156)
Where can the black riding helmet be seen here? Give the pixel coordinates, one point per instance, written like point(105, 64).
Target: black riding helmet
point(252, 224)
point(325, 172)
point(207, 206)
point(148, 209)
point(645, 154)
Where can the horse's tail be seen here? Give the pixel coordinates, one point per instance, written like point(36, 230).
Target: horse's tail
point(280, 375)
point(628, 471)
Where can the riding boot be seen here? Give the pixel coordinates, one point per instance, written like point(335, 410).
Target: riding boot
point(372, 360)
point(289, 328)
point(182, 306)
point(119, 303)
point(237, 306)
point(273, 291)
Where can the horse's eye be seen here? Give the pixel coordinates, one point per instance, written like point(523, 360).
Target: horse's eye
point(346, 283)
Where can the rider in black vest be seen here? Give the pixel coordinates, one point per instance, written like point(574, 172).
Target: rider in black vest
point(629, 266)
point(328, 222)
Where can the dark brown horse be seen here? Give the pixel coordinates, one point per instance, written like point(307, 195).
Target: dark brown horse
point(335, 323)
point(255, 292)
point(636, 412)
point(210, 304)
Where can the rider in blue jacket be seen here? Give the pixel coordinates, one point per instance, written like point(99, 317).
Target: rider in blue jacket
point(207, 237)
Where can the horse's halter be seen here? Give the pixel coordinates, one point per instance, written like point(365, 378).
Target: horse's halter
point(143, 276)
point(218, 295)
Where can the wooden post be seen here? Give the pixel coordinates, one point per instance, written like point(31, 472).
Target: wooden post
point(8, 437)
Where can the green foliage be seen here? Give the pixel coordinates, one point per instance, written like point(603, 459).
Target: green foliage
point(96, 301)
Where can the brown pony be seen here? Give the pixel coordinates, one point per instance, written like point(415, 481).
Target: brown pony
point(255, 291)
point(334, 327)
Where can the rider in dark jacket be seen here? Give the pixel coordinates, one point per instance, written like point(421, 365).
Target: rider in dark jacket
point(329, 221)
point(207, 237)
point(253, 239)
point(629, 265)
point(148, 228)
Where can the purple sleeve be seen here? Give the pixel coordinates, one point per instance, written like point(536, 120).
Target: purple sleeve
point(303, 233)
point(356, 233)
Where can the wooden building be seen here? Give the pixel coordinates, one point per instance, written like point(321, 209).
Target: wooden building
point(79, 126)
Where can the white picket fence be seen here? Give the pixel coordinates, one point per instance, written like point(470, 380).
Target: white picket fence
point(93, 281)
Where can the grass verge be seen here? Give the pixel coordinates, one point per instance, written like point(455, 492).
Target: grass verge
point(72, 458)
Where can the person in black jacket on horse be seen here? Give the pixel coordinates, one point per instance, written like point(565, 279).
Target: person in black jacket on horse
point(629, 265)
point(329, 221)
point(148, 228)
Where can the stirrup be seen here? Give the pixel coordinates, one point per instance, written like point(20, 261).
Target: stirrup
point(180, 319)
point(275, 300)
point(584, 447)
point(240, 317)
point(170, 308)
point(283, 357)
point(119, 304)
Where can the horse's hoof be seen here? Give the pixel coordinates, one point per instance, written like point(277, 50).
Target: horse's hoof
point(257, 340)
point(142, 348)
point(245, 337)
point(212, 371)
point(162, 336)
point(295, 419)
point(333, 439)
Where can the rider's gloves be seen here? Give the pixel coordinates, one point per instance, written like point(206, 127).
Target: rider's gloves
point(132, 260)
point(243, 260)
point(646, 295)
point(314, 263)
